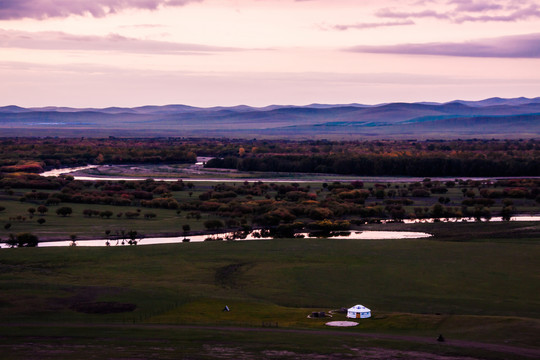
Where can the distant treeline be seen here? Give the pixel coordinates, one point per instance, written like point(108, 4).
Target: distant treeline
point(383, 165)
point(33, 155)
point(379, 157)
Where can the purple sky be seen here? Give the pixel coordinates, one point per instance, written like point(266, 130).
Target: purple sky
point(260, 52)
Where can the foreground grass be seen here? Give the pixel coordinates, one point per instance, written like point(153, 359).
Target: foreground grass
point(177, 342)
point(470, 287)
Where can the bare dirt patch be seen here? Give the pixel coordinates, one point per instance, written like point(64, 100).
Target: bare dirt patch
point(342, 323)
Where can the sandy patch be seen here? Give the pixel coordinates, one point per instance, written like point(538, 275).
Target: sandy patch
point(342, 323)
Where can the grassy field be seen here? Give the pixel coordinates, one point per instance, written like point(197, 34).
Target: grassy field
point(471, 282)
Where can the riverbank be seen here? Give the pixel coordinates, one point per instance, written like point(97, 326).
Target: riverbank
point(198, 173)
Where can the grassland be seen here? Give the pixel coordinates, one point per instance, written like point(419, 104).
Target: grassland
point(474, 283)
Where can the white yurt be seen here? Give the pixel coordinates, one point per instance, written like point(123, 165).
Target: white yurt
point(359, 312)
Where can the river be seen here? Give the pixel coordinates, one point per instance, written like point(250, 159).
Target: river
point(353, 235)
point(358, 235)
point(198, 169)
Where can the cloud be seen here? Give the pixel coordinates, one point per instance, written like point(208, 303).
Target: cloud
point(475, 6)
point(389, 13)
point(42, 9)
point(368, 25)
point(461, 11)
point(518, 46)
point(113, 42)
point(532, 11)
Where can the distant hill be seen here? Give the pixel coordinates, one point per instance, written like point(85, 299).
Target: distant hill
point(489, 118)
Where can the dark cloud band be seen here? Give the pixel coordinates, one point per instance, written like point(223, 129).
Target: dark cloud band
point(519, 46)
point(42, 9)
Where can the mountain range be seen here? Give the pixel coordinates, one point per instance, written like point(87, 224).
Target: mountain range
point(489, 118)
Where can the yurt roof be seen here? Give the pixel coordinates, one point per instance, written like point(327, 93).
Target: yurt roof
point(358, 308)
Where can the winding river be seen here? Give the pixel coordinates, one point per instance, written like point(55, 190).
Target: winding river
point(353, 235)
point(357, 235)
point(198, 168)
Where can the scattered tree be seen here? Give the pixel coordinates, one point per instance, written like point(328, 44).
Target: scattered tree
point(42, 209)
point(64, 211)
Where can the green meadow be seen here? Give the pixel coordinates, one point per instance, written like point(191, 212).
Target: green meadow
point(472, 282)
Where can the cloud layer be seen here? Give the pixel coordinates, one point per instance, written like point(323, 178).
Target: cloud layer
point(519, 46)
point(55, 40)
point(462, 11)
point(369, 25)
point(42, 9)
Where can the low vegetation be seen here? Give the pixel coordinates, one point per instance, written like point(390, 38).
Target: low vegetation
point(57, 207)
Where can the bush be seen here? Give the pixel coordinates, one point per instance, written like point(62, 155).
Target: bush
point(24, 240)
point(420, 193)
point(106, 214)
point(64, 211)
point(42, 209)
point(213, 224)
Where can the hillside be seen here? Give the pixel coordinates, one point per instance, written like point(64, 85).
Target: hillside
point(490, 118)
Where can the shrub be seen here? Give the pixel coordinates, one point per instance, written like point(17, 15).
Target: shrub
point(106, 214)
point(27, 240)
point(64, 211)
point(420, 193)
point(213, 224)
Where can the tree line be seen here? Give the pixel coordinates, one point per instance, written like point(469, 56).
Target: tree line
point(383, 165)
point(379, 157)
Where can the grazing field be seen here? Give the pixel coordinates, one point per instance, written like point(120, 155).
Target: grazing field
point(478, 289)
point(475, 283)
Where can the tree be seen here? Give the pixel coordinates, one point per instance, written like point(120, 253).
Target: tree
point(64, 211)
point(437, 210)
point(131, 214)
point(186, 228)
point(12, 241)
point(42, 209)
point(41, 221)
point(88, 212)
point(27, 240)
point(106, 214)
point(31, 211)
point(132, 235)
point(213, 224)
point(507, 213)
point(149, 215)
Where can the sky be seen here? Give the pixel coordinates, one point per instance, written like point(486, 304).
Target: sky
point(100, 53)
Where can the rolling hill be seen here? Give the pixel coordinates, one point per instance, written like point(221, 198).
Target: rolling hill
point(490, 118)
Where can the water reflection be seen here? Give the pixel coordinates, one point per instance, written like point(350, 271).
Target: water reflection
point(239, 236)
point(467, 219)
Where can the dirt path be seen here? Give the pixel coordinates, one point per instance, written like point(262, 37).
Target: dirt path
point(533, 353)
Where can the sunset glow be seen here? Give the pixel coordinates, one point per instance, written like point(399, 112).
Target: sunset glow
point(206, 52)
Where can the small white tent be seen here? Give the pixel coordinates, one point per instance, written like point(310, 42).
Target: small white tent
point(358, 312)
